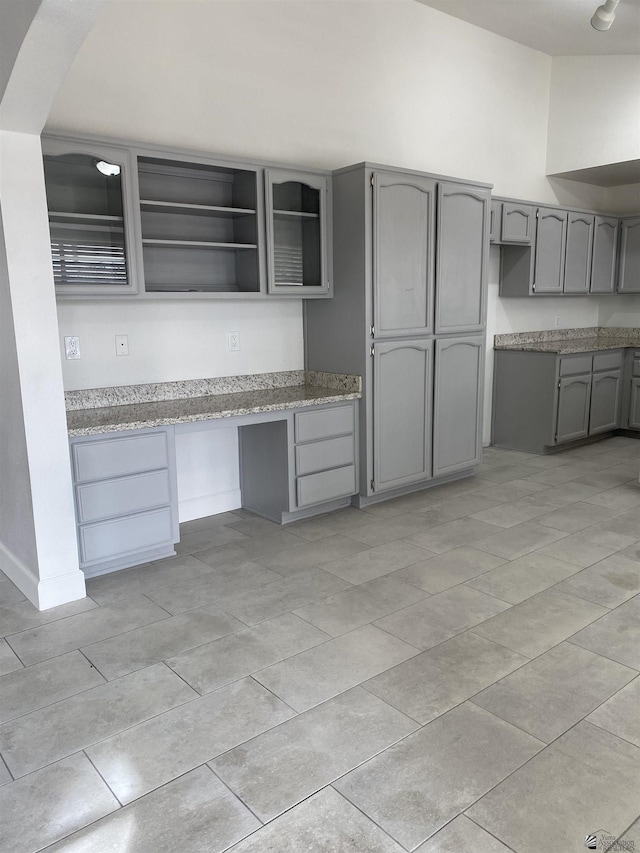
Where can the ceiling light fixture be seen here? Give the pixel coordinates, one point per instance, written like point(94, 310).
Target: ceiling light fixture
point(111, 169)
point(604, 15)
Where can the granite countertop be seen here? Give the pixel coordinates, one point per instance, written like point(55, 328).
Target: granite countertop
point(124, 407)
point(567, 341)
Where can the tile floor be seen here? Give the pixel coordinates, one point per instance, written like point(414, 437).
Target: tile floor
point(456, 670)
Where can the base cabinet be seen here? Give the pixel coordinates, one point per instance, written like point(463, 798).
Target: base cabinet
point(634, 407)
point(574, 398)
point(606, 393)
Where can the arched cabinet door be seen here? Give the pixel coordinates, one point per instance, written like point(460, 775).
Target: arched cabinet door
point(629, 272)
point(457, 406)
point(574, 401)
point(605, 255)
point(401, 413)
point(518, 223)
point(551, 242)
point(461, 258)
point(91, 215)
point(404, 230)
point(577, 266)
point(606, 392)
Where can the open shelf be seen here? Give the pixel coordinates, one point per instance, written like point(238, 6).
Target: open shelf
point(61, 216)
point(296, 214)
point(195, 209)
point(198, 244)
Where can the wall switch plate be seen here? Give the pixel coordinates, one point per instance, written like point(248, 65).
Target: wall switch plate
point(72, 347)
point(233, 341)
point(122, 345)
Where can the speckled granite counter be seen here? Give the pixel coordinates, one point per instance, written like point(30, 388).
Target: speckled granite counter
point(98, 410)
point(567, 341)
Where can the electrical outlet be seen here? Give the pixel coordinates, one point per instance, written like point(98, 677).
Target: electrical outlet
point(233, 341)
point(122, 345)
point(72, 347)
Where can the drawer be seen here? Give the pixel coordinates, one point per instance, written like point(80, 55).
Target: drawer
point(122, 496)
point(114, 457)
point(324, 423)
point(109, 539)
point(325, 486)
point(321, 455)
point(576, 365)
point(607, 360)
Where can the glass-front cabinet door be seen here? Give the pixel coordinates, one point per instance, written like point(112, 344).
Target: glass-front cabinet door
point(297, 233)
point(90, 217)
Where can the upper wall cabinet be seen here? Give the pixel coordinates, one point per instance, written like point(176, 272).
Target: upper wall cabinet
point(517, 224)
point(629, 273)
point(577, 261)
point(297, 234)
point(605, 255)
point(91, 217)
point(551, 239)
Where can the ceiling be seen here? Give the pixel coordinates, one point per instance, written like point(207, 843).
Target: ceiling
point(556, 27)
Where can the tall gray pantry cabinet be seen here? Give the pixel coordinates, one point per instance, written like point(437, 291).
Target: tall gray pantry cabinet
point(408, 314)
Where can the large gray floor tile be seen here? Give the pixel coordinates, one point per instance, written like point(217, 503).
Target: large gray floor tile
point(56, 801)
point(379, 532)
point(575, 516)
point(520, 579)
point(9, 593)
point(441, 616)
point(318, 674)
point(540, 622)
point(284, 766)
point(50, 733)
point(225, 660)
point(582, 550)
point(436, 680)
point(377, 562)
point(56, 638)
point(513, 491)
point(580, 784)
point(217, 520)
point(620, 715)
point(458, 507)
point(417, 786)
point(257, 605)
point(5, 776)
point(610, 477)
point(558, 476)
point(631, 836)
point(342, 521)
point(449, 569)
point(616, 635)
point(552, 693)
point(508, 473)
point(153, 643)
point(516, 541)
point(462, 836)
point(610, 582)
point(251, 547)
point(45, 683)
point(569, 493)
point(355, 607)
point(618, 498)
point(193, 814)
point(325, 823)
point(152, 753)
point(9, 662)
point(632, 552)
point(23, 615)
point(308, 555)
point(209, 537)
point(517, 512)
point(453, 534)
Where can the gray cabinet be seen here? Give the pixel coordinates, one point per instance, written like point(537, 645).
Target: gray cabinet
point(457, 423)
point(461, 258)
point(298, 257)
point(629, 270)
point(577, 265)
point(404, 236)
point(125, 497)
point(402, 412)
point(518, 223)
point(606, 391)
point(605, 255)
point(495, 221)
point(634, 406)
point(551, 237)
point(574, 398)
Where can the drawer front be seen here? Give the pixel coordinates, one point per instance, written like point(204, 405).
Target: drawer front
point(576, 365)
point(109, 539)
point(607, 360)
point(115, 457)
point(122, 496)
point(324, 423)
point(322, 455)
point(325, 486)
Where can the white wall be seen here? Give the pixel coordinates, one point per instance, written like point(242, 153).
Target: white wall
point(594, 112)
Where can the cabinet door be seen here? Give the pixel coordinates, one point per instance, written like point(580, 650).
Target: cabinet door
point(401, 413)
point(577, 267)
point(403, 238)
point(457, 406)
point(605, 255)
point(91, 214)
point(634, 408)
point(606, 390)
point(461, 257)
point(518, 222)
point(574, 396)
point(551, 239)
point(297, 229)
point(629, 272)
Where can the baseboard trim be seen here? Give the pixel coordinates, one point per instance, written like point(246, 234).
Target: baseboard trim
point(205, 505)
point(43, 594)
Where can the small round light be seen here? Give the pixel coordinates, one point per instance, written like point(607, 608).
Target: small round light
point(108, 169)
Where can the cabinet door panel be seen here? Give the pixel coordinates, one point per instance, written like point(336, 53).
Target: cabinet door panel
point(605, 255)
point(574, 397)
point(517, 223)
point(605, 402)
point(634, 408)
point(403, 222)
point(461, 261)
point(457, 406)
point(551, 238)
point(402, 413)
point(577, 267)
point(629, 277)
